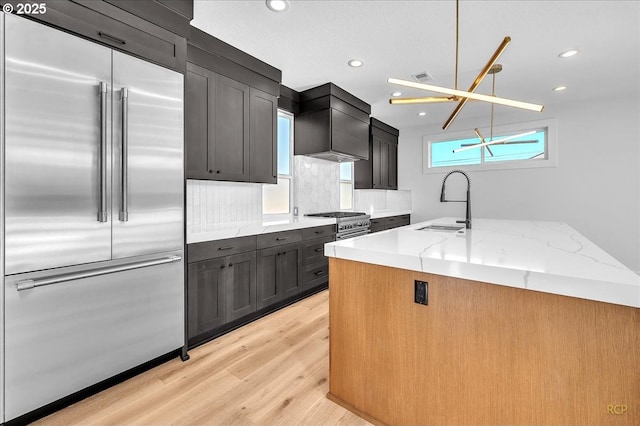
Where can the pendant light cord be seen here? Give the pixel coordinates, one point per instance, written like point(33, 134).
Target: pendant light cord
point(493, 93)
point(456, 82)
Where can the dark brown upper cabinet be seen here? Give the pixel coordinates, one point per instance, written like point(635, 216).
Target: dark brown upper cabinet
point(332, 125)
point(152, 30)
point(380, 171)
point(231, 113)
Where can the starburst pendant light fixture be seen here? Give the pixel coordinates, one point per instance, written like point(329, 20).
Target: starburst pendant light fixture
point(461, 96)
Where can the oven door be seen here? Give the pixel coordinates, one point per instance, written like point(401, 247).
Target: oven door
point(353, 234)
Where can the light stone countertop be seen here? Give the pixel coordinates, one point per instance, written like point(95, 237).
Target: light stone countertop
point(550, 257)
point(243, 229)
point(388, 213)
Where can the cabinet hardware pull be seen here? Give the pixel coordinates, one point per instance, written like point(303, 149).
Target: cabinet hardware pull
point(124, 160)
point(281, 238)
point(319, 273)
point(319, 232)
point(230, 265)
point(221, 266)
point(102, 212)
point(112, 38)
point(225, 248)
point(318, 250)
point(217, 171)
point(210, 171)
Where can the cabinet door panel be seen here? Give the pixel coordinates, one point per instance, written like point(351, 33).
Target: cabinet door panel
point(199, 109)
point(393, 166)
point(384, 165)
point(241, 285)
point(206, 296)
point(231, 153)
point(376, 152)
point(289, 270)
point(267, 280)
point(264, 137)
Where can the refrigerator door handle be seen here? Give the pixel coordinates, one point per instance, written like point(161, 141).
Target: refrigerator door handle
point(124, 198)
point(102, 212)
point(55, 279)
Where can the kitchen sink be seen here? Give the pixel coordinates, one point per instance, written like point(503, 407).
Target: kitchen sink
point(441, 228)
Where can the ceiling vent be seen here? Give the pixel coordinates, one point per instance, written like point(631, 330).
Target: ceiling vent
point(422, 77)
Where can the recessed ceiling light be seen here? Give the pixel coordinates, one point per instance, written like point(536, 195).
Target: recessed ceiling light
point(559, 88)
point(568, 53)
point(396, 94)
point(278, 5)
point(422, 113)
point(355, 63)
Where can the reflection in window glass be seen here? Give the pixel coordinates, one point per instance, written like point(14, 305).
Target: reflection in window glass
point(530, 147)
point(525, 148)
point(346, 170)
point(284, 144)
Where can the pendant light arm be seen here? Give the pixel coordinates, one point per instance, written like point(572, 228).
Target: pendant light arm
point(478, 80)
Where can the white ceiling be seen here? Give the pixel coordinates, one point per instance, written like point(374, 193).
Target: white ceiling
point(312, 41)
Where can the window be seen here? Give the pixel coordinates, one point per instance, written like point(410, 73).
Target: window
point(346, 185)
point(276, 199)
point(516, 146)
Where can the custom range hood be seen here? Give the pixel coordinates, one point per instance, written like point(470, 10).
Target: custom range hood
point(332, 125)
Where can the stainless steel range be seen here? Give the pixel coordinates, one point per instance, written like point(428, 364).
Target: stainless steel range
point(350, 224)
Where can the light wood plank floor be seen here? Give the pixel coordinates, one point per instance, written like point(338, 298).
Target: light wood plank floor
point(272, 371)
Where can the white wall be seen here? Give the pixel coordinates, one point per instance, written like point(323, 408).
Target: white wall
point(595, 188)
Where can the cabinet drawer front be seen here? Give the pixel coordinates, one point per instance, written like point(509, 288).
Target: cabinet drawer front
point(219, 248)
point(315, 275)
point(378, 222)
point(313, 250)
point(279, 238)
point(396, 221)
point(318, 231)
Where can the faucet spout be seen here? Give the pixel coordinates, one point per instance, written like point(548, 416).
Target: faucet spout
point(443, 198)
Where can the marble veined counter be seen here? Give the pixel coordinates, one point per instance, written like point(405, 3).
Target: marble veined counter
point(550, 257)
point(242, 229)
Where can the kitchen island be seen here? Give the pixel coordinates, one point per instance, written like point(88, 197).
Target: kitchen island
point(525, 323)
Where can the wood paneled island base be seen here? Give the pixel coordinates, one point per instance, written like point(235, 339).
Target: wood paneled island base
point(478, 353)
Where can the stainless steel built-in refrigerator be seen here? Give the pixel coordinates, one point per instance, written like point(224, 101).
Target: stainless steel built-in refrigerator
point(92, 191)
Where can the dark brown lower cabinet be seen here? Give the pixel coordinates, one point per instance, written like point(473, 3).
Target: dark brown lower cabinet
point(240, 295)
point(219, 291)
point(205, 285)
point(279, 273)
point(234, 281)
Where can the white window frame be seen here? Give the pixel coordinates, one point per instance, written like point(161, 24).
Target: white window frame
point(290, 176)
point(551, 149)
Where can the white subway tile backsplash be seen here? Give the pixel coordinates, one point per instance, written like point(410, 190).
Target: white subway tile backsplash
point(213, 203)
point(372, 200)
